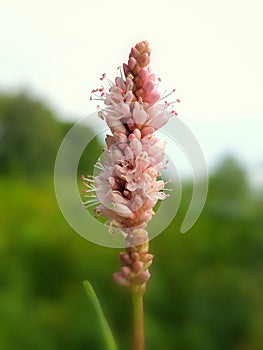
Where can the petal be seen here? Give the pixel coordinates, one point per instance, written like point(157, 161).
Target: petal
point(120, 83)
point(139, 114)
point(158, 116)
point(131, 63)
point(152, 97)
point(115, 125)
point(136, 146)
point(110, 140)
point(137, 203)
point(144, 73)
point(148, 86)
point(122, 210)
point(129, 156)
point(148, 130)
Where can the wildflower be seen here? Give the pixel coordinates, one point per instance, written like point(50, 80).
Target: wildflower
point(128, 186)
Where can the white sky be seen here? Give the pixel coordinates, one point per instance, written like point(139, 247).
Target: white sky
point(210, 51)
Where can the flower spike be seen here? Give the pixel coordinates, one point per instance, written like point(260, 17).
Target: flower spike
point(128, 186)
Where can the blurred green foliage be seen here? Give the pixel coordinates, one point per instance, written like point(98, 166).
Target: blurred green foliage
point(206, 286)
point(30, 136)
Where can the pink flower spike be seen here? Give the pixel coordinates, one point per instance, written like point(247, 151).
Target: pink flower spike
point(127, 185)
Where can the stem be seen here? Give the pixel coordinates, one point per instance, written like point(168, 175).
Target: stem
point(137, 298)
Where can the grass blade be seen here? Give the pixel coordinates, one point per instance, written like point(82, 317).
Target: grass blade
point(109, 340)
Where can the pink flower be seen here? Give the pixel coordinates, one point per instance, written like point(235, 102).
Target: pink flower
point(126, 188)
point(128, 184)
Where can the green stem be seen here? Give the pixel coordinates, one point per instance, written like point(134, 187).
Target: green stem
point(137, 298)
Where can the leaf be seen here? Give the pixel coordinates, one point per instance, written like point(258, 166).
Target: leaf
point(109, 340)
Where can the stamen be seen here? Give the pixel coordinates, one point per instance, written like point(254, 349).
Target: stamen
point(168, 181)
point(120, 72)
point(91, 204)
point(96, 99)
point(91, 188)
point(167, 95)
point(88, 191)
point(110, 83)
point(99, 166)
point(89, 178)
point(95, 200)
point(90, 196)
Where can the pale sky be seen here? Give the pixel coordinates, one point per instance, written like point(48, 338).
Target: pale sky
point(210, 51)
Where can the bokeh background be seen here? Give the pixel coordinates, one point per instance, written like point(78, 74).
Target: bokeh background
point(206, 286)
